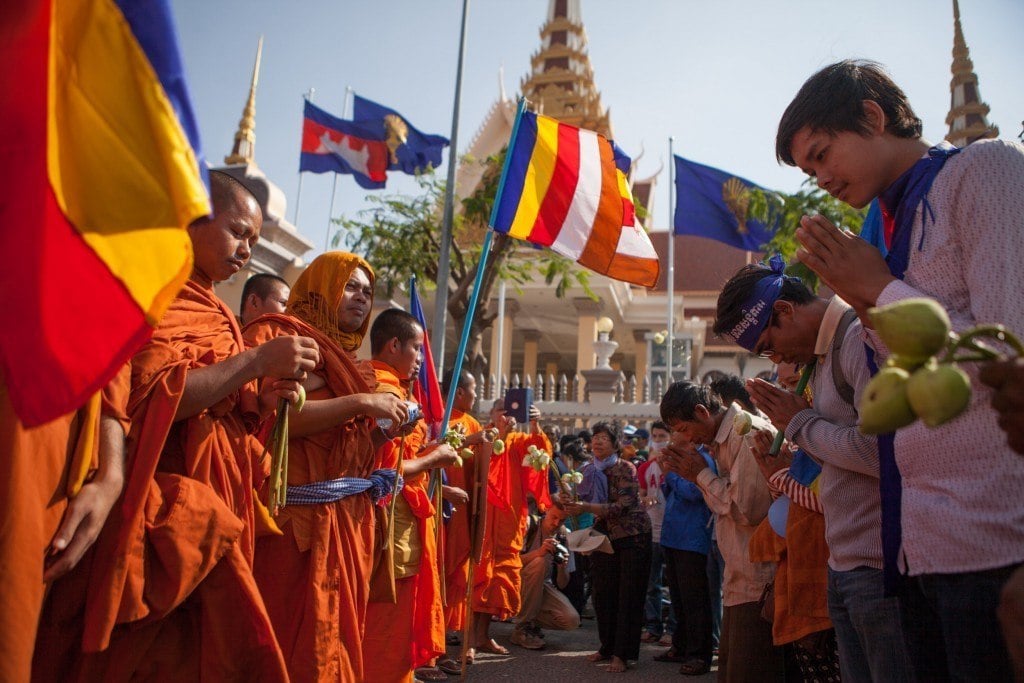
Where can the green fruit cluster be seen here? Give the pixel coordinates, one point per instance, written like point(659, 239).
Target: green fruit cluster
point(916, 383)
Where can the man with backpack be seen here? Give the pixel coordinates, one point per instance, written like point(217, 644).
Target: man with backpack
point(777, 316)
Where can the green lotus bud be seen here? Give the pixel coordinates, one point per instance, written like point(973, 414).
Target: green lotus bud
point(938, 393)
point(301, 400)
point(884, 407)
point(498, 446)
point(914, 329)
point(904, 362)
point(458, 461)
point(742, 423)
point(466, 453)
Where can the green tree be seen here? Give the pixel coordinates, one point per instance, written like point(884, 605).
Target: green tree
point(400, 236)
point(788, 209)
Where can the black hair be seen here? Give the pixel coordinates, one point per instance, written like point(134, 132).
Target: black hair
point(261, 284)
point(832, 101)
point(391, 324)
point(573, 451)
point(682, 398)
point(585, 435)
point(740, 286)
point(660, 425)
point(225, 188)
point(731, 388)
point(609, 429)
point(566, 440)
point(465, 377)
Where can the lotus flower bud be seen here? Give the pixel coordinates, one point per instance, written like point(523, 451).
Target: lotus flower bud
point(938, 393)
point(498, 446)
point(884, 406)
point(577, 477)
point(466, 453)
point(903, 362)
point(659, 338)
point(567, 478)
point(914, 329)
point(301, 400)
point(742, 423)
point(458, 461)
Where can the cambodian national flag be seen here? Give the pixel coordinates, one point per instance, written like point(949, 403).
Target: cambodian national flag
point(333, 145)
point(411, 151)
point(427, 390)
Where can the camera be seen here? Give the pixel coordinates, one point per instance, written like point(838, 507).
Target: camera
point(561, 553)
point(414, 413)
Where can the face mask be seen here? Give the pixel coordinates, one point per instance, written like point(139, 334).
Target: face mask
point(658, 445)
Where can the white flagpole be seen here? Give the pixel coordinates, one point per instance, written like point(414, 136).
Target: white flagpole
point(334, 188)
point(307, 96)
point(671, 281)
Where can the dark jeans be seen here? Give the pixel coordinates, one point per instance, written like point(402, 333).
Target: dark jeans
point(578, 590)
point(716, 570)
point(868, 628)
point(687, 579)
point(950, 625)
point(746, 653)
point(619, 583)
point(652, 608)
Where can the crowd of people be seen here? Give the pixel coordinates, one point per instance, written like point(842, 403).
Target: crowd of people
point(777, 535)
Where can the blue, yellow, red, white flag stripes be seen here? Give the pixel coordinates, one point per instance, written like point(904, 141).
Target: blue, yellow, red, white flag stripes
point(98, 161)
point(564, 188)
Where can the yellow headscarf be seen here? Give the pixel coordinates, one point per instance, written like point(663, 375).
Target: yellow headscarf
point(319, 290)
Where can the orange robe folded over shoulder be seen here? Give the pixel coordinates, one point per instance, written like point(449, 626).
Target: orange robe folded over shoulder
point(406, 635)
point(169, 593)
point(315, 577)
point(35, 469)
point(496, 581)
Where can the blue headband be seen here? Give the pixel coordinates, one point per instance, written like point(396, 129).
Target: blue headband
point(757, 310)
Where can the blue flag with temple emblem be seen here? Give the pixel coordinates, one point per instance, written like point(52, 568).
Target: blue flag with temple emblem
point(410, 151)
point(714, 204)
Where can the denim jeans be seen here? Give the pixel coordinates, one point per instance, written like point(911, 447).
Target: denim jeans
point(951, 629)
point(869, 631)
point(652, 607)
point(716, 570)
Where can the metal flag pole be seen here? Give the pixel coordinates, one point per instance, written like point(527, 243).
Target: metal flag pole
point(334, 187)
point(444, 262)
point(306, 97)
point(670, 284)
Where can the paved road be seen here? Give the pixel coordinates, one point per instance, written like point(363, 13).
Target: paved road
point(564, 659)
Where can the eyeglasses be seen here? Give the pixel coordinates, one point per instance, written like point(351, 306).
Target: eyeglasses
point(761, 348)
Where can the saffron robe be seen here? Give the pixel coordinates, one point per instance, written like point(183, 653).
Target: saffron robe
point(409, 633)
point(496, 581)
point(457, 541)
point(169, 593)
point(34, 473)
point(315, 577)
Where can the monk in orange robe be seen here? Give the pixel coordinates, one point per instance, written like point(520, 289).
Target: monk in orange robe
point(169, 594)
point(315, 576)
point(409, 633)
point(496, 581)
point(58, 483)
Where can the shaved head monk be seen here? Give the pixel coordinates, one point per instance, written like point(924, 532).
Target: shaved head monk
point(171, 593)
point(406, 632)
point(496, 582)
point(314, 577)
point(263, 293)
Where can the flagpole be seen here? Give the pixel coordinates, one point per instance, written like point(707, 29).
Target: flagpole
point(671, 282)
point(334, 188)
point(444, 262)
point(471, 309)
point(306, 97)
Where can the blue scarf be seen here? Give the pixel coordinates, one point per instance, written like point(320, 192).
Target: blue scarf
point(594, 487)
point(899, 203)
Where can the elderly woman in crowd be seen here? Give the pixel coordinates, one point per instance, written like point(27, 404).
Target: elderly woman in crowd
point(611, 492)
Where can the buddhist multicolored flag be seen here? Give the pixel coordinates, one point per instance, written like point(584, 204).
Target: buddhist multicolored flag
point(427, 389)
point(564, 188)
point(100, 174)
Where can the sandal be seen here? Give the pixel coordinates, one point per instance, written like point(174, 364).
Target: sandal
point(430, 674)
point(694, 666)
point(450, 666)
point(492, 647)
point(670, 655)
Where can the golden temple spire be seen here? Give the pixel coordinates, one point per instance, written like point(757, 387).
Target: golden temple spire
point(244, 149)
point(561, 82)
point(967, 118)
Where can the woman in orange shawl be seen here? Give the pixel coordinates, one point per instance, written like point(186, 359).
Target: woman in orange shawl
point(314, 577)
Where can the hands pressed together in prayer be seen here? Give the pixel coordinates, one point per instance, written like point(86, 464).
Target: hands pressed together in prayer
point(850, 266)
point(778, 404)
point(761, 443)
point(683, 458)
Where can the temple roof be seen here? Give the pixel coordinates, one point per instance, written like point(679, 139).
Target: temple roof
point(968, 114)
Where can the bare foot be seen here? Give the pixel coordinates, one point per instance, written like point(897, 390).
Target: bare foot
point(617, 666)
point(596, 657)
point(492, 647)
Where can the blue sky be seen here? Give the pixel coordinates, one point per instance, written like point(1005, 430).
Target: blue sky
point(715, 75)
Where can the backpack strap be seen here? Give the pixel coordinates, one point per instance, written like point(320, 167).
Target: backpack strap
point(838, 378)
